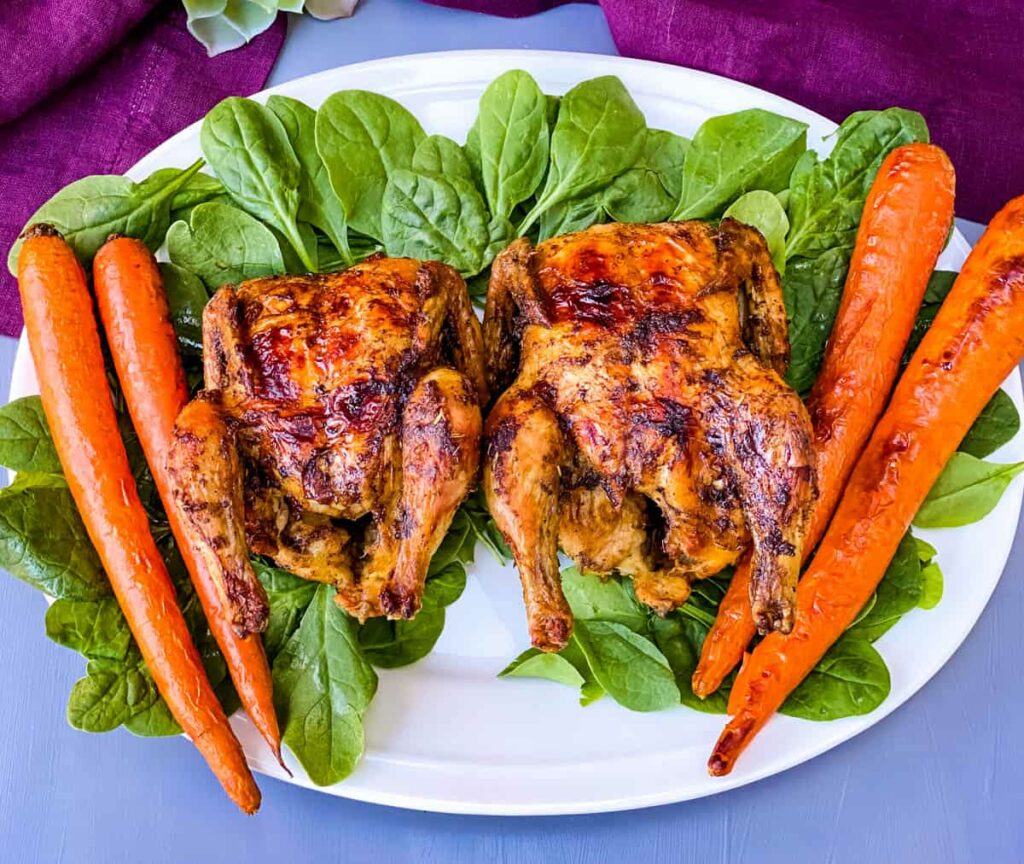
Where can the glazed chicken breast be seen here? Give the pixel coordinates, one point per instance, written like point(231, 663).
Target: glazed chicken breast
point(645, 429)
point(337, 435)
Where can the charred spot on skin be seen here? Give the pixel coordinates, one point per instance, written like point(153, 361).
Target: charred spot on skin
point(721, 493)
point(252, 612)
point(596, 302)
point(674, 420)
point(777, 545)
point(362, 404)
point(190, 505)
point(399, 604)
point(316, 478)
point(552, 633)
point(644, 335)
point(776, 616)
point(502, 436)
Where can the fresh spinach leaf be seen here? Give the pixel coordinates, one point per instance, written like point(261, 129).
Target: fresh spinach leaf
point(199, 189)
point(25, 440)
point(925, 550)
point(865, 611)
point(478, 518)
point(391, 644)
point(248, 149)
point(599, 133)
point(827, 199)
point(649, 190)
point(322, 687)
point(318, 204)
point(111, 692)
point(939, 285)
point(967, 490)
point(897, 593)
point(289, 597)
point(187, 296)
point(44, 543)
point(96, 629)
point(428, 215)
point(362, 138)
point(458, 544)
point(592, 598)
point(590, 690)
point(735, 153)
point(931, 585)
point(536, 664)
point(627, 666)
point(156, 721)
point(851, 679)
point(224, 244)
point(825, 203)
point(569, 216)
point(680, 637)
point(532, 664)
point(436, 154)
point(997, 424)
point(763, 211)
point(293, 263)
point(511, 138)
point(89, 210)
point(812, 289)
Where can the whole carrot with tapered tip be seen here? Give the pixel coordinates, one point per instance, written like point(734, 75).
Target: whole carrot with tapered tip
point(136, 317)
point(65, 345)
point(976, 340)
point(903, 228)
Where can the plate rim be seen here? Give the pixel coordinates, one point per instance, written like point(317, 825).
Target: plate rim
point(436, 802)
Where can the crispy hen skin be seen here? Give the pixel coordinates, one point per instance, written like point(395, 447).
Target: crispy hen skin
point(645, 429)
point(211, 504)
point(351, 443)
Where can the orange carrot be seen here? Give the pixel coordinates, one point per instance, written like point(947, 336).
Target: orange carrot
point(904, 226)
point(136, 317)
point(65, 346)
point(976, 340)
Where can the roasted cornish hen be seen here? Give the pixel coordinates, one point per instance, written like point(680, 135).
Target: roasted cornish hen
point(646, 429)
point(332, 436)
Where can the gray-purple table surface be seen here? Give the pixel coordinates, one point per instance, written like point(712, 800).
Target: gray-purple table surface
point(942, 779)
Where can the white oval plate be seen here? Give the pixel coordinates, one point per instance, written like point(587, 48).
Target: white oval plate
point(446, 734)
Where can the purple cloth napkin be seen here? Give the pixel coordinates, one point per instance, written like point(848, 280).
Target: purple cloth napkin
point(958, 62)
point(90, 86)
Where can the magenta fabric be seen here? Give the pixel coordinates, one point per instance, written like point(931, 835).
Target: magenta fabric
point(90, 86)
point(958, 62)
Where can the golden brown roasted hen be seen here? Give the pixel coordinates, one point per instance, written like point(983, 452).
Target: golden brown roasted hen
point(331, 435)
point(647, 430)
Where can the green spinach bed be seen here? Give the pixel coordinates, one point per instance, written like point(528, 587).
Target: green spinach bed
point(295, 189)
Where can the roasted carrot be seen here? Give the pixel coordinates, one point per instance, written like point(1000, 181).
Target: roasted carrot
point(904, 225)
point(975, 341)
point(136, 317)
point(65, 345)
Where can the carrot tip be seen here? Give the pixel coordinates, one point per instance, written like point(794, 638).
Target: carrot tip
point(719, 765)
point(275, 748)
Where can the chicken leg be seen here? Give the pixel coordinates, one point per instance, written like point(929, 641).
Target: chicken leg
point(440, 453)
point(206, 469)
point(761, 428)
point(525, 451)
